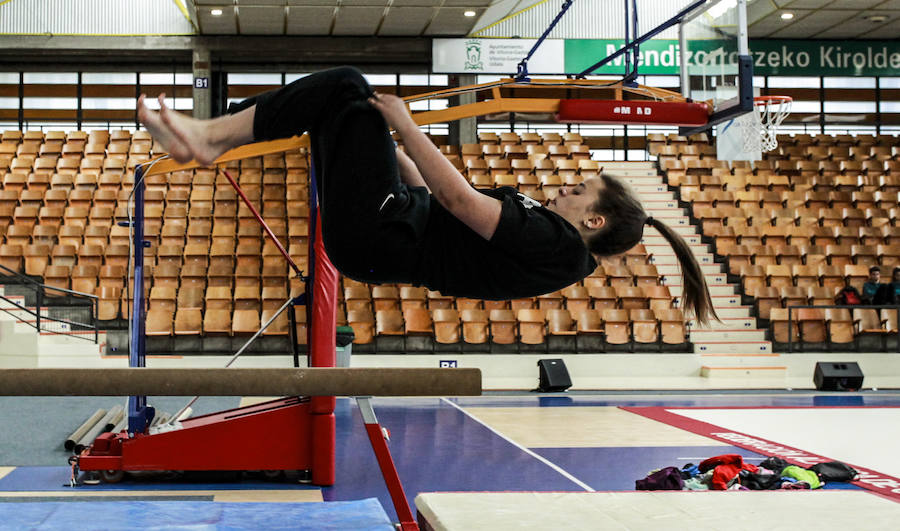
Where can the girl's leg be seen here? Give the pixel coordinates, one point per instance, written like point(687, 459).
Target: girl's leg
point(186, 138)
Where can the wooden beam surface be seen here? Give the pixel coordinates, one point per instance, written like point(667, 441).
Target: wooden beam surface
point(240, 382)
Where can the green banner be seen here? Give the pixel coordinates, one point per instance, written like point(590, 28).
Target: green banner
point(770, 57)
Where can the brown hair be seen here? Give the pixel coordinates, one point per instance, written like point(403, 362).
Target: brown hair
point(624, 227)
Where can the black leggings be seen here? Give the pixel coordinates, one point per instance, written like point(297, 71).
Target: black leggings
point(369, 234)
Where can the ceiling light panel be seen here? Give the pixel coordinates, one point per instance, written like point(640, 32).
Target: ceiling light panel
point(222, 25)
point(450, 21)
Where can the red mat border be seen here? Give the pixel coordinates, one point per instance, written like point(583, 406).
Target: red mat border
point(870, 480)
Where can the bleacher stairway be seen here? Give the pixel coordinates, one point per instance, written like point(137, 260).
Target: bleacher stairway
point(736, 347)
point(22, 347)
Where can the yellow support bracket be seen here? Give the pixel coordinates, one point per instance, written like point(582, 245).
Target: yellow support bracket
point(257, 149)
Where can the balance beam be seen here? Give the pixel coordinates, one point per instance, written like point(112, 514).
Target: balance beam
point(240, 382)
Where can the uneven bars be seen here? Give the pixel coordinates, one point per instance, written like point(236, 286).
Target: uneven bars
point(142, 381)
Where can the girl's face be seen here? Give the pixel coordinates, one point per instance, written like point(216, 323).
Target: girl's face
point(575, 203)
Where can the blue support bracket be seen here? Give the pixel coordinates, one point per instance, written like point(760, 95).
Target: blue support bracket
point(139, 414)
point(522, 74)
point(635, 44)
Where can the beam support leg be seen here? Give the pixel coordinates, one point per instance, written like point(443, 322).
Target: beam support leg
point(378, 436)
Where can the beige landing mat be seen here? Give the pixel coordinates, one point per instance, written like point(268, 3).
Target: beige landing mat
point(669, 511)
point(583, 427)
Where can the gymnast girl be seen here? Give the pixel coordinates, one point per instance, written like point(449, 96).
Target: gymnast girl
point(395, 217)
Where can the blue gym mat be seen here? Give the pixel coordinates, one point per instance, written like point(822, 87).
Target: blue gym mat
point(361, 515)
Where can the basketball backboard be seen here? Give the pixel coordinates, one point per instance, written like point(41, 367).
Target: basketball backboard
point(715, 59)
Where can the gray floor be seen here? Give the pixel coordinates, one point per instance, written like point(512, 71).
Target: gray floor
point(33, 429)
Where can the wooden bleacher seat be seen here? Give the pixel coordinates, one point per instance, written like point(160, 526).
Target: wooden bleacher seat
point(217, 321)
point(55, 276)
point(576, 298)
point(416, 322)
point(589, 326)
point(672, 329)
point(778, 326)
point(812, 325)
point(503, 327)
point(616, 326)
point(84, 279)
point(839, 324)
point(446, 326)
point(603, 297)
point(532, 326)
point(560, 323)
point(631, 297)
point(389, 323)
point(550, 301)
point(644, 326)
point(475, 327)
point(245, 321)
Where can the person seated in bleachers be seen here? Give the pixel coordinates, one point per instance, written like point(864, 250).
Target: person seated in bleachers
point(889, 293)
point(870, 287)
point(895, 283)
point(392, 218)
point(848, 296)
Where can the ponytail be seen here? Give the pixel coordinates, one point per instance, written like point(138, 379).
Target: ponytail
point(695, 293)
point(624, 228)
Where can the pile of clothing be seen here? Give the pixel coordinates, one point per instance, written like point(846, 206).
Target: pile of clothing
point(730, 472)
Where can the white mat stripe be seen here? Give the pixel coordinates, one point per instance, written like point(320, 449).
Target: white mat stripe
point(540, 458)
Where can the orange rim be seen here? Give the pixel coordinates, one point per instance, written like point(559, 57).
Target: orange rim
point(768, 100)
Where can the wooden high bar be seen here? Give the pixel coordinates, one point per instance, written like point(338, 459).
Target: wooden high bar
point(240, 382)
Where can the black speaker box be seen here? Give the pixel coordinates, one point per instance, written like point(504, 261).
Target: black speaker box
point(838, 376)
point(553, 376)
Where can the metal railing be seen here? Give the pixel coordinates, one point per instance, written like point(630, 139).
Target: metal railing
point(790, 330)
point(55, 310)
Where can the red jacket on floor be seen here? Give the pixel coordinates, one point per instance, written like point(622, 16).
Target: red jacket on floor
point(726, 468)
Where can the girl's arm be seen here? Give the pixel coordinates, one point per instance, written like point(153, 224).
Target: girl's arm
point(479, 212)
point(409, 172)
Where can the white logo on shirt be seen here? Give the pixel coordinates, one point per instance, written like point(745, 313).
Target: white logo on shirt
point(528, 202)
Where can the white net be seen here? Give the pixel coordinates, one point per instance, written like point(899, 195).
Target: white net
point(750, 132)
point(760, 128)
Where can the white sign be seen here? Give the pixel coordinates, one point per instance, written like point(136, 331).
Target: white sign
point(496, 56)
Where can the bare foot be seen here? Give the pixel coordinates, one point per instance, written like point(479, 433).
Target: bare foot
point(162, 134)
point(193, 134)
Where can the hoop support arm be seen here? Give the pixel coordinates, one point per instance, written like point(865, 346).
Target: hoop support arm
point(240, 382)
point(257, 149)
point(262, 222)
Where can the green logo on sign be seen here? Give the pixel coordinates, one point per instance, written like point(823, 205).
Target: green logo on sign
point(473, 55)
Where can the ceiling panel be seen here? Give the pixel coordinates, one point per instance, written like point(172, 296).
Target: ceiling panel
point(357, 20)
point(451, 21)
point(885, 32)
point(417, 3)
point(222, 25)
point(811, 24)
point(890, 4)
point(269, 3)
point(858, 26)
point(406, 21)
point(467, 3)
point(208, 2)
point(329, 3)
point(381, 3)
point(788, 5)
point(309, 20)
point(773, 22)
point(261, 20)
point(853, 4)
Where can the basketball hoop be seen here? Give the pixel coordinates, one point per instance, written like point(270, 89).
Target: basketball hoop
point(760, 128)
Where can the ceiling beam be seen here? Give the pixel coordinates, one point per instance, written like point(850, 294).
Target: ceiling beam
point(285, 50)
